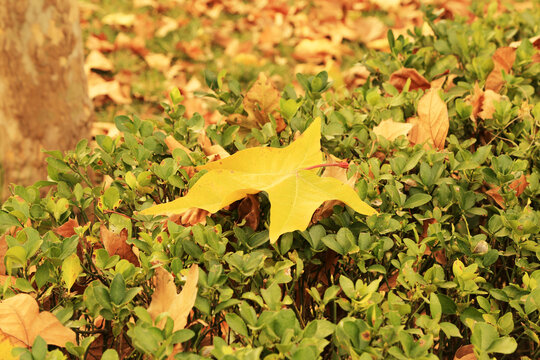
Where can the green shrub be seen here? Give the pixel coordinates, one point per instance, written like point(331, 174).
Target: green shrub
point(451, 259)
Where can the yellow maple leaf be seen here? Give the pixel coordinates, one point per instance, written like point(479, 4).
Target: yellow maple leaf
point(294, 190)
point(21, 321)
point(165, 298)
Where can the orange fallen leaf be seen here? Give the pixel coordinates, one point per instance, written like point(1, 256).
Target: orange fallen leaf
point(67, 229)
point(391, 130)
point(432, 123)
point(21, 320)
point(503, 59)
point(399, 78)
point(116, 244)
point(496, 195)
point(519, 185)
point(165, 298)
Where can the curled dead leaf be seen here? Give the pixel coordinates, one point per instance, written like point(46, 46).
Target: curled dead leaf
point(465, 352)
point(249, 210)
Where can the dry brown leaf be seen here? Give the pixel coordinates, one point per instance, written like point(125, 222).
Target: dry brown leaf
point(112, 89)
point(503, 59)
point(165, 298)
point(213, 152)
point(96, 60)
point(356, 76)
point(465, 352)
point(391, 130)
point(316, 50)
point(172, 144)
point(399, 78)
point(167, 24)
point(431, 126)
point(249, 210)
point(190, 217)
point(158, 61)
point(476, 99)
point(136, 44)
point(116, 244)
point(67, 229)
point(119, 19)
point(99, 43)
point(260, 101)
point(21, 320)
point(519, 185)
point(496, 195)
point(489, 99)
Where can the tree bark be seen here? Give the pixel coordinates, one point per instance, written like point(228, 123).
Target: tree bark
point(44, 101)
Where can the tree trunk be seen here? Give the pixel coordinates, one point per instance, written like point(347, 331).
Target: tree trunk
point(44, 101)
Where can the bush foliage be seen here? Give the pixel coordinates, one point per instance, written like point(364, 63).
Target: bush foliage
point(451, 260)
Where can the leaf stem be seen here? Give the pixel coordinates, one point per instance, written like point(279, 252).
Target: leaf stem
point(341, 164)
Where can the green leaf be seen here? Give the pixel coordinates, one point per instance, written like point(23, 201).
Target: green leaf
point(118, 289)
point(483, 335)
point(416, 200)
point(504, 345)
point(236, 323)
point(435, 307)
point(450, 329)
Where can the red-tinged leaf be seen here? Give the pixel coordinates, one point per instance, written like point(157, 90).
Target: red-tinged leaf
point(465, 352)
point(116, 244)
point(399, 78)
point(503, 59)
point(67, 229)
point(519, 185)
point(496, 195)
